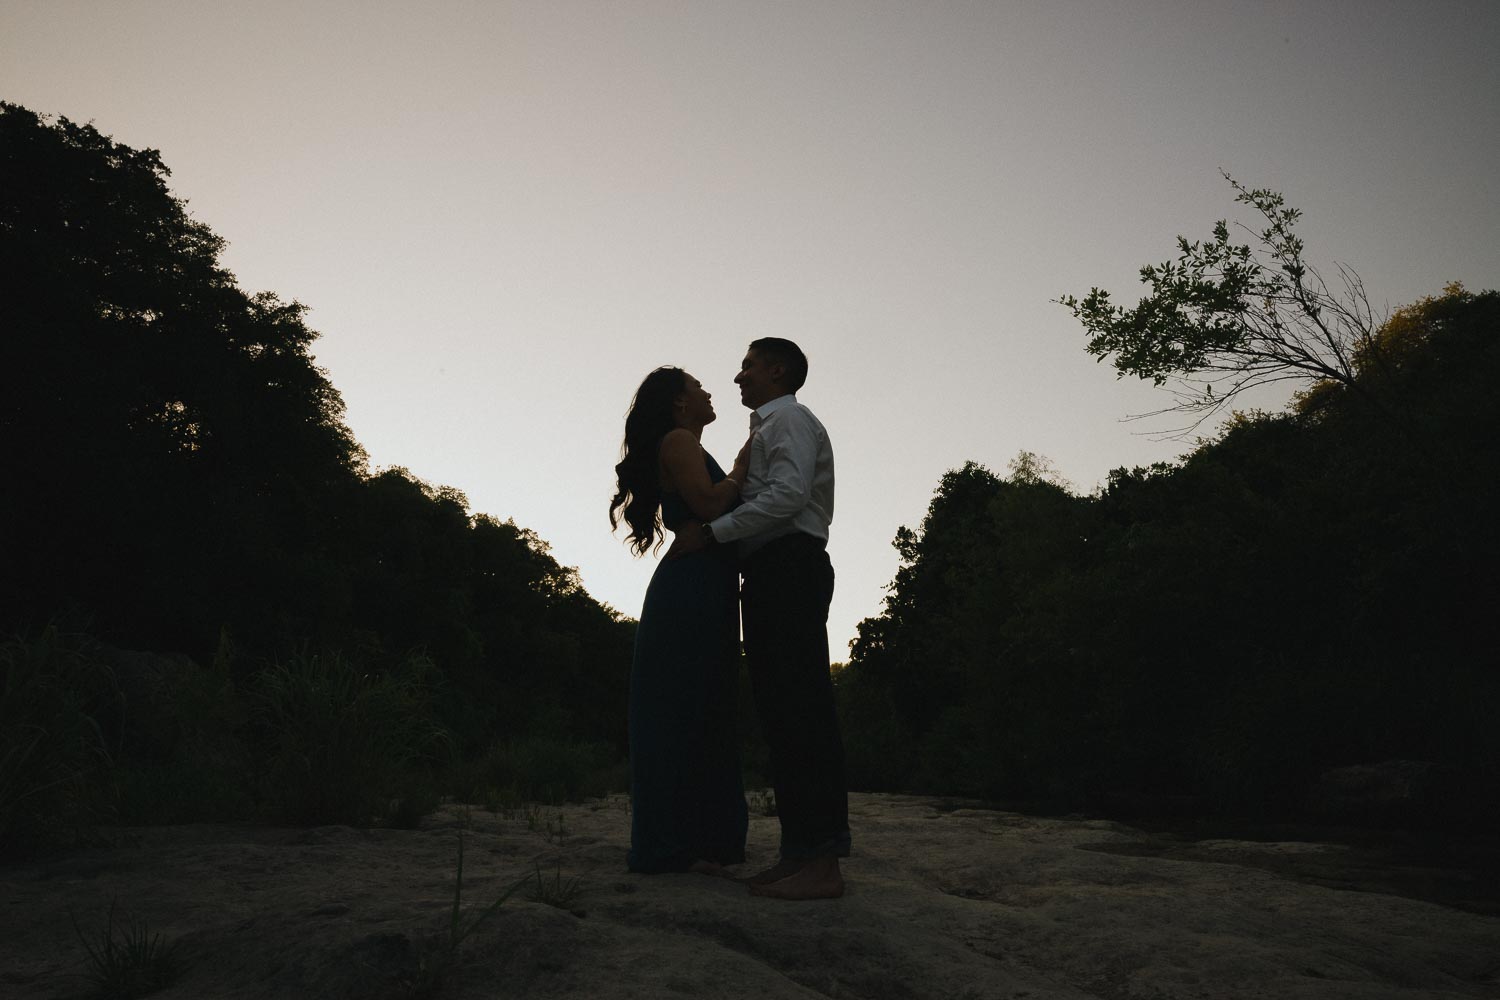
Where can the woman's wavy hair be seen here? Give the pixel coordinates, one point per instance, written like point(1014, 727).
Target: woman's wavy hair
point(647, 421)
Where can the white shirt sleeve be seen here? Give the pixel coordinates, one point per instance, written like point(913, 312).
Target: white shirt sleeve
point(790, 441)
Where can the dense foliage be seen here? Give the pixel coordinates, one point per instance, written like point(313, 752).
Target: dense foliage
point(1307, 590)
point(180, 480)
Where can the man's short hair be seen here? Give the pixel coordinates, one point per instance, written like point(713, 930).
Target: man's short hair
point(783, 352)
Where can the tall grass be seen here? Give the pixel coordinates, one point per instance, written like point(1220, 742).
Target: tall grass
point(185, 756)
point(341, 741)
point(56, 768)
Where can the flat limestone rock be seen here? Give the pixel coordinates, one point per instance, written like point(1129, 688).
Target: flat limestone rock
point(944, 900)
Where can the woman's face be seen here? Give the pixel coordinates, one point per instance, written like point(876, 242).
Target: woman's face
point(697, 405)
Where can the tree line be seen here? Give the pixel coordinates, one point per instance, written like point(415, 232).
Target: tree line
point(180, 481)
point(1304, 592)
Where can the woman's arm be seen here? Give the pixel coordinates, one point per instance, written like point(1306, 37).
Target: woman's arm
point(684, 471)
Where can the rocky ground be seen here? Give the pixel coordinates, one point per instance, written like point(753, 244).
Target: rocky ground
point(942, 901)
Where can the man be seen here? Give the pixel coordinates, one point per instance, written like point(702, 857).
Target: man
point(782, 533)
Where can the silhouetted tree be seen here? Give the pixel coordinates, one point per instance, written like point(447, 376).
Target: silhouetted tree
point(161, 426)
point(1226, 317)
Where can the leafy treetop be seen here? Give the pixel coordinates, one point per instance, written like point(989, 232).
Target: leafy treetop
point(1225, 317)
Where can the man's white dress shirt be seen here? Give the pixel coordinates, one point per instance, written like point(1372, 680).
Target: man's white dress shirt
point(789, 485)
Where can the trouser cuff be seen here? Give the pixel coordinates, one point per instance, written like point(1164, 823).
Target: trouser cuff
point(834, 847)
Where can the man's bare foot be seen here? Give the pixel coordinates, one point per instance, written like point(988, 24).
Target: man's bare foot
point(775, 873)
point(820, 878)
point(710, 868)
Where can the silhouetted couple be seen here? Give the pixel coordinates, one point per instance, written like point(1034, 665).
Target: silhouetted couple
point(766, 520)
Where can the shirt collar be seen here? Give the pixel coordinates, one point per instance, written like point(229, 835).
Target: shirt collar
point(760, 413)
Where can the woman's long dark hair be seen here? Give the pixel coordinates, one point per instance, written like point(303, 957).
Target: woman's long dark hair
point(646, 423)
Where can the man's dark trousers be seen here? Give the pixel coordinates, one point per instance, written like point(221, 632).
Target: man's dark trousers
point(788, 584)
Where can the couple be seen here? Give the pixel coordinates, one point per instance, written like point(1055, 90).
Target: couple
point(768, 520)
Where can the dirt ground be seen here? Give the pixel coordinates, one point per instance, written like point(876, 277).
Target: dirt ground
point(944, 900)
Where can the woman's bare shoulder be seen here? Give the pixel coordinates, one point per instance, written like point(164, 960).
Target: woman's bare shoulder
point(678, 453)
point(679, 445)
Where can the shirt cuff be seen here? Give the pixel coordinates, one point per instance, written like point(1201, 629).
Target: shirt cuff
point(723, 528)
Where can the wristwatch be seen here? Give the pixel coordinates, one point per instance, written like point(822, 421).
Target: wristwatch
point(708, 533)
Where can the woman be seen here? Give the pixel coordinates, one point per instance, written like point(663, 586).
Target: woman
point(687, 801)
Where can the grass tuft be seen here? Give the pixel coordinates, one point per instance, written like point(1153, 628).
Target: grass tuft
point(555, 891)
point(131, 963)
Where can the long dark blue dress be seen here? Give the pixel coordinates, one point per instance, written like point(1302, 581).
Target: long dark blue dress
point(687, 795)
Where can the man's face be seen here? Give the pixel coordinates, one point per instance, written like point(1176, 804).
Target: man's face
point(759, 380)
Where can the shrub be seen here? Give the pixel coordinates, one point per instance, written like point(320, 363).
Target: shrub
point(416, 796)
point(544, 769)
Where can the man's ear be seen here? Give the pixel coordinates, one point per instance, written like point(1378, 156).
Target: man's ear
point(777, 371)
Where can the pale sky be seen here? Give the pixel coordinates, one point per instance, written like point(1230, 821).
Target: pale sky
point(503, 215)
